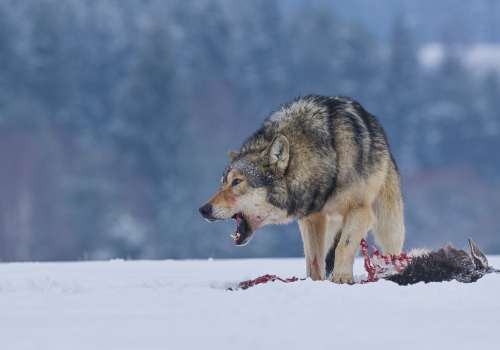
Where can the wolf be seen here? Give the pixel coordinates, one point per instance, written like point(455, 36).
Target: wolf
point(325, 162)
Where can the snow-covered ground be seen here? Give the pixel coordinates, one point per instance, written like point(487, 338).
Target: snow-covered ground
point(185, 305)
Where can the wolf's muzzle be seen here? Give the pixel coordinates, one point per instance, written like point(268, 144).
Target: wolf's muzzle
point(206, 211)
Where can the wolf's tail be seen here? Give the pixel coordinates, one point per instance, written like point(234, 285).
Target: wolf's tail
point(389, 227)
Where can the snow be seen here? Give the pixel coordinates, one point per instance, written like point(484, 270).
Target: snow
point(184, 305)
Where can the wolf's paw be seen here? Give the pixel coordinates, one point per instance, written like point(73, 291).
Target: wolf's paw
point(342, 278)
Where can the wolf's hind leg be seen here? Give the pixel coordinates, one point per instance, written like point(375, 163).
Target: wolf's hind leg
point(389, 228)
point(357, 222)
point(313, 231)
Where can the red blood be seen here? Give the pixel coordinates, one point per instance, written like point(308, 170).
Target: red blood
point(265, 279)
point(316, 266)
point(399, 262)
point(231, 200)
point(368, 266)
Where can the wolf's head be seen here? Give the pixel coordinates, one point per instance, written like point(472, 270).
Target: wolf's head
point(246, 182)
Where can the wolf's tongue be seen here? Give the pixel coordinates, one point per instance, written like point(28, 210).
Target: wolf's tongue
point(242, 224)
point(242, 230)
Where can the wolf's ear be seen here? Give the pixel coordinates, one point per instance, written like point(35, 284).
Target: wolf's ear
point(233, 155)
point(478, 256)
point(277, 154)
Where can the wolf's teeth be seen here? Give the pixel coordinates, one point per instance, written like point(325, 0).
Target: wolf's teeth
point(236, 235)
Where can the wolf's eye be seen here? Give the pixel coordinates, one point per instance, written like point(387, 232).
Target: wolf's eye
point(236, 182)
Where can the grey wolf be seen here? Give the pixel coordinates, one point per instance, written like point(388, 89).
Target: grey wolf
point(324, 161)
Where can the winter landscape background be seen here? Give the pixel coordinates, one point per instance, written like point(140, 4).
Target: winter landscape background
point(116, 116)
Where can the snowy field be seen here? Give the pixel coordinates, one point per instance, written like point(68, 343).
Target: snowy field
point(185, 305)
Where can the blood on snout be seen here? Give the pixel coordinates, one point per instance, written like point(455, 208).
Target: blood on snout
point(224, 198)
point(232, 200)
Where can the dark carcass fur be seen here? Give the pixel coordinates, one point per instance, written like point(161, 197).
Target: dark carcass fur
point(445, 264)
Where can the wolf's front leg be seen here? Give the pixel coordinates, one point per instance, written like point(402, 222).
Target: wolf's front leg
point(357, 222)
point(313, 231)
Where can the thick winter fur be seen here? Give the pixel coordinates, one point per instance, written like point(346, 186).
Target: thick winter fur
point(324, 161)
point(445, 264)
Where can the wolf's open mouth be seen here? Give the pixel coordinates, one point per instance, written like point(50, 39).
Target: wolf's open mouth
point(243, 231)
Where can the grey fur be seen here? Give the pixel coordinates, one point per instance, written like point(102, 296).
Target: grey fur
point(316, 160)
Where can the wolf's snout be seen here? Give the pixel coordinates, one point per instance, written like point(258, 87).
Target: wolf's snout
point(206, 211)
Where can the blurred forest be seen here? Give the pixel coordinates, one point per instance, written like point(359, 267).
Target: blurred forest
point(116, 117)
